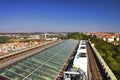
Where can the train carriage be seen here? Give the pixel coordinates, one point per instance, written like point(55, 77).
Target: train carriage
point(80, 63)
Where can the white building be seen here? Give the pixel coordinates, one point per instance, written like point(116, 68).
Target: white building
point(110, 39)
point(117, 39)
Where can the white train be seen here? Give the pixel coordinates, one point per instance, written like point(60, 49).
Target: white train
point(80, 60)
point(80, 63)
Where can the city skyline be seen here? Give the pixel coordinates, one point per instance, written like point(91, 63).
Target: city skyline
point(59, 16)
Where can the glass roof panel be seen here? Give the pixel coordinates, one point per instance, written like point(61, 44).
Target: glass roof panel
point(44, 65)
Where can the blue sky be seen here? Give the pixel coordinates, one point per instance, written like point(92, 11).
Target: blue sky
point(59, 15)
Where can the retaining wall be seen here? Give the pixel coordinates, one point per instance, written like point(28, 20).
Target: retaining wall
point(103, 66)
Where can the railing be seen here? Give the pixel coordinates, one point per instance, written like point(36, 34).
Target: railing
point(104, 67)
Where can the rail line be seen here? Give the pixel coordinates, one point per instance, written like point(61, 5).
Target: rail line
point(92, 62)
point(10, 59)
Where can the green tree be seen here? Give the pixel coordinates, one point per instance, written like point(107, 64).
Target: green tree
point(4, 39)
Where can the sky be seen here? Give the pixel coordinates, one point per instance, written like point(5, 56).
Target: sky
point(59, 15)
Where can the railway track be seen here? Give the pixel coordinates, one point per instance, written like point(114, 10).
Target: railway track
point(14, 56)
point(93, 65)
point(22, 55)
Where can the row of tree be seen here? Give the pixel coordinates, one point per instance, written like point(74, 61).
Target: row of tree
point(109, 52)
point(5, 39)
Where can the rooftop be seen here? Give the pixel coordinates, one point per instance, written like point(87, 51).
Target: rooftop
point(44, 65)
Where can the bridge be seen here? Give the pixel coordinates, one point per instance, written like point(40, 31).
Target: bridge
point(49, 63)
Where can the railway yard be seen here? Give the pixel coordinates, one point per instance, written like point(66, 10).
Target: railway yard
point(48, 62)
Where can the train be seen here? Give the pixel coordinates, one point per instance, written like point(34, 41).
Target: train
point(78, 71)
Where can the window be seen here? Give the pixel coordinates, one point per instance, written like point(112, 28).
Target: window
point(82, 54)
point(82, 43)
point(82, 47)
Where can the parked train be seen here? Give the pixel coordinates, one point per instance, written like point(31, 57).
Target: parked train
point(80, 60)
point(80, 63)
